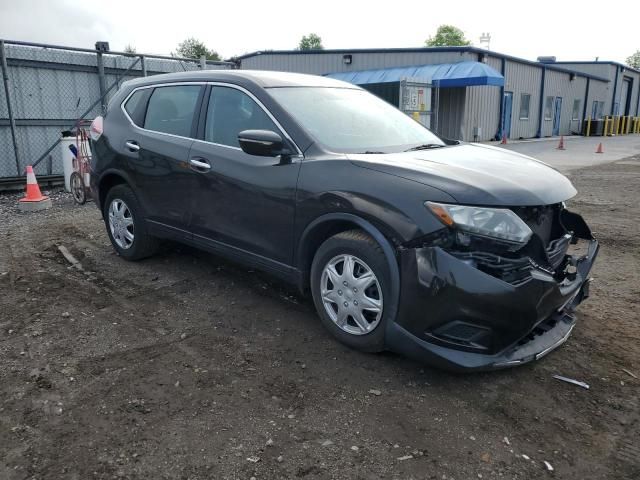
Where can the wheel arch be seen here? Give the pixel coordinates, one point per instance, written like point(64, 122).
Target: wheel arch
point(330, 224)
point(107, 181)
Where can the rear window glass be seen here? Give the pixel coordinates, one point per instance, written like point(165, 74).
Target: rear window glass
point(171, 109)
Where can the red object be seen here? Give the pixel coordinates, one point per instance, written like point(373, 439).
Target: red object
point(33, 193)
point(504, 139)
point(561, 144)
point(600, 149)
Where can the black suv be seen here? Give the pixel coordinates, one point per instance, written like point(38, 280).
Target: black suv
point(460, 255)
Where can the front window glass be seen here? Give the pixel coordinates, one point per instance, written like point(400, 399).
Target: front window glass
point(231, 111)
point(350, 120)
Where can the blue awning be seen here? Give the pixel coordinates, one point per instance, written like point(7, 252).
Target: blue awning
point(461, 74)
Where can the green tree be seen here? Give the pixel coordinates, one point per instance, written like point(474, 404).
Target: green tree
point(194, 48)
point(129, 48)
point(447, 36)
point(634, 60)
point(310, 42)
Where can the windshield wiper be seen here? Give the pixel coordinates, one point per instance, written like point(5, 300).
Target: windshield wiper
point(425, 146)
point(369, 152)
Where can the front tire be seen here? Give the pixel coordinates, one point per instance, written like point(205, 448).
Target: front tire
point(125, 224)
point(351, 284)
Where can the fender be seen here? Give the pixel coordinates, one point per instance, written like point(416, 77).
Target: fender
point(98, 181)
point(387, 248)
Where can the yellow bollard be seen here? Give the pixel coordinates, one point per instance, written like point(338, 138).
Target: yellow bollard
point(589, 126)
point(606, 126)
point(416, 116)
point(623, 128)
point(618, 125)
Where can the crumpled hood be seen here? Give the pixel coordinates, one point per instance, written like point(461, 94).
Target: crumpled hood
point(476, 174)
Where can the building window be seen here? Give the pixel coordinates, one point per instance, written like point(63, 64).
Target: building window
point(548, 108)
point(525, 104)
point(576, 110)
point(597, 110)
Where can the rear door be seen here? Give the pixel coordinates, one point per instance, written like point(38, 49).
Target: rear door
point(243, 203)
point(159, 154)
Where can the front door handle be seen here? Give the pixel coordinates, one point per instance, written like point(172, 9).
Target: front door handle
point(132, 145)
point(200, 163)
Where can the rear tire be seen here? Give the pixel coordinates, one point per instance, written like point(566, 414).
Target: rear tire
point(342, 266)
point(126, 226)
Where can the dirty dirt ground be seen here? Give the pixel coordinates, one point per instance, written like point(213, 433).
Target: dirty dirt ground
point(185, 366)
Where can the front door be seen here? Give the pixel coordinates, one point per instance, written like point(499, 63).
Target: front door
point(557, 116)
point(242, 202)
point(506, 114)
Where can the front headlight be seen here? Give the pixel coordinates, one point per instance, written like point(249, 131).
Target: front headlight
point(499, 223)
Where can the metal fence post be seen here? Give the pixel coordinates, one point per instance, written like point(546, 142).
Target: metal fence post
point(7, 95)
point(203, 62)
point(100, 62)
point(143, 65)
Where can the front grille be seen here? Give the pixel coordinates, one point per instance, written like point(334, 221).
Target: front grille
point(543, 221)
point(511, 270)
point(557, 249)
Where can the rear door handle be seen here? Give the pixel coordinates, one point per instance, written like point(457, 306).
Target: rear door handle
point(200, 163)
point(132, 145)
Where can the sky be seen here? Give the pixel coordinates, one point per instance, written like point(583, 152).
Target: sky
point(568, 30)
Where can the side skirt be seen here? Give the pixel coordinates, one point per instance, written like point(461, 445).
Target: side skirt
point(284, 272)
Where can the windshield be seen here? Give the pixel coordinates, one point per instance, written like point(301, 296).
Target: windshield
point(346, 120)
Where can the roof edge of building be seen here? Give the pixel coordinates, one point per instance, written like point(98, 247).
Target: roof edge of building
point(461, 49)
point(600, 62)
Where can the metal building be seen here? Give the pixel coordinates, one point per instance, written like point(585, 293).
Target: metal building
point(516, 98)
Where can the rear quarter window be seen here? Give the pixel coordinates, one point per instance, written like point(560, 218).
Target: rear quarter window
point(171, 109)
point(136, 105)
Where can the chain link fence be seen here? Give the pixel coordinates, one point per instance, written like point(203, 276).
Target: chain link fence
point(47, 89)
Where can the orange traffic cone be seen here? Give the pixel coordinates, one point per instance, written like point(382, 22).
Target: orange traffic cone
point(599, 149)
point(504, 139)
point(33, 200)
point(561, 144)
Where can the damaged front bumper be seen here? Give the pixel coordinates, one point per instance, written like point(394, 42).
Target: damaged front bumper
point(456, 316)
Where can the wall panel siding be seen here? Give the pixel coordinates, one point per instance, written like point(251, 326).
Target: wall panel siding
point(451, 107)
point(601, 92)
point(608, 70)
point(519, 79)
point(321, 63)
point(559, 84)
point(482, 112)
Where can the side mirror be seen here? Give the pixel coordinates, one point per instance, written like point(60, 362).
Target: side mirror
point(264, 143)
